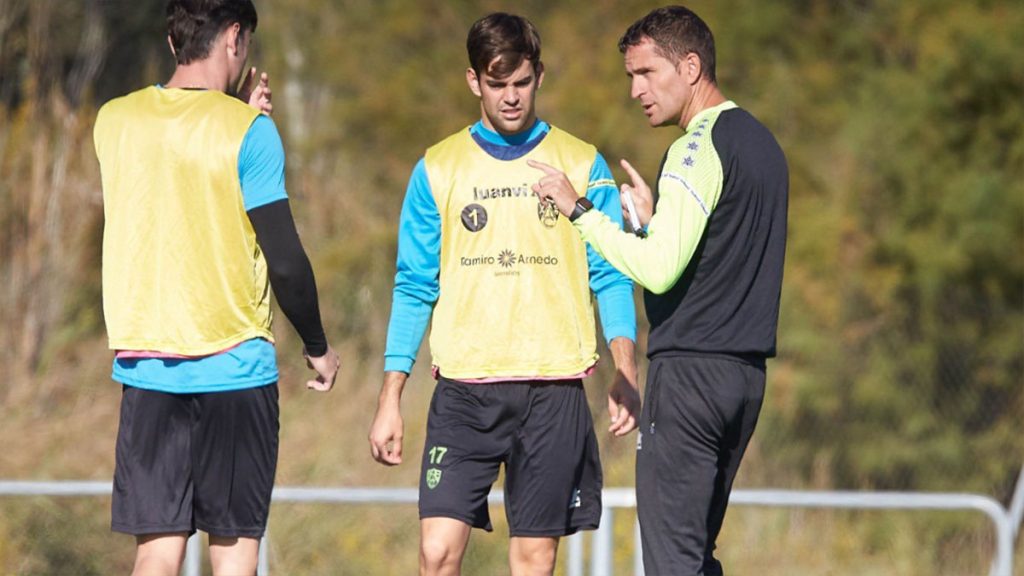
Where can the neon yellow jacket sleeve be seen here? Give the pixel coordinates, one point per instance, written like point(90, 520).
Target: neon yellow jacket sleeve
point(689, 186)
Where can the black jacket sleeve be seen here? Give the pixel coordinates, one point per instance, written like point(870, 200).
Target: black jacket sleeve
point(291, 275)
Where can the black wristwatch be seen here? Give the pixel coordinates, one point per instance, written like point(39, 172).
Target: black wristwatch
point(582, 206)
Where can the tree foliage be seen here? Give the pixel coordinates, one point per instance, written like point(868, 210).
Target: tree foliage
point(902, 334)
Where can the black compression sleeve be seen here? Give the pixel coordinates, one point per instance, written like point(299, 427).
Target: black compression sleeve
point(291, 275)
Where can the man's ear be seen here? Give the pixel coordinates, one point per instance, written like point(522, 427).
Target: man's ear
point(170, 44)
point(540, 74)
point(234, 38)
point(692, 67)
point(474, 82)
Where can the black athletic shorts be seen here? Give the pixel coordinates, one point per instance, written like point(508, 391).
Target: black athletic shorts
point(541, 431)
point(195, 461)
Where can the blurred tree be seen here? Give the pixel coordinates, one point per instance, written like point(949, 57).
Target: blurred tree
point(921, 301)
point(902, 337)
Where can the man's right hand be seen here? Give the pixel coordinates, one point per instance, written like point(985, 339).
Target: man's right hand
point(643, 199)
point(326, 368)
point(257, 93)
point(386, 430)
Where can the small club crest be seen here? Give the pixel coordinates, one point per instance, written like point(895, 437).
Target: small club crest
point(547, 213)
point(433, 477)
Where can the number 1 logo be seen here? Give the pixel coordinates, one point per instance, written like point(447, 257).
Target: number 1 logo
point(474, 217)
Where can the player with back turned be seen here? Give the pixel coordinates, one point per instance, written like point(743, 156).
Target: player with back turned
point(197, 229)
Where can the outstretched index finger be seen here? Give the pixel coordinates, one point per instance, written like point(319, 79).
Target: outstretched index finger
point(638, 181)
point(247, 82)
point(546, 168)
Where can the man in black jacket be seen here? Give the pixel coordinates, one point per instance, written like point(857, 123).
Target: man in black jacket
point(711, 259)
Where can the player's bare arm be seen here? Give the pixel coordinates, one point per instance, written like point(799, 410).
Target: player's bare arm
point(386, 429)
point(624, 394)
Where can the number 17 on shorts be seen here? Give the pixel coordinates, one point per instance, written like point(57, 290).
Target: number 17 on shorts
point(433, 475)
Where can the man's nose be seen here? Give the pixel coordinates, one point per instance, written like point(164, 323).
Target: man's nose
point(635, 88)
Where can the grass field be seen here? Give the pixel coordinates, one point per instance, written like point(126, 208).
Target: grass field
point(65, 425)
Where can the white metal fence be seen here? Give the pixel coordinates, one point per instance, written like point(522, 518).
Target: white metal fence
point(1007, 522)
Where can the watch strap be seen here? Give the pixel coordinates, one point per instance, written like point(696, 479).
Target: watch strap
point(583, 205)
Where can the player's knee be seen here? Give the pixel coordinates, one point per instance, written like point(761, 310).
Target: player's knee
point(159, 555)
point(234, 566)
point(438, 556)
point(533, 560)
point(156, 564)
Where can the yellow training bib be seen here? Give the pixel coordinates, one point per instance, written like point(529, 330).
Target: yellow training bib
point(515, 297)
point(182, 272)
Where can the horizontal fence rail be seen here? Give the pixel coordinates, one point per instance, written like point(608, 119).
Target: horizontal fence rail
point(1006, 522)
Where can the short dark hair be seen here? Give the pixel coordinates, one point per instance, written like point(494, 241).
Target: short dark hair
point(507, 37)
point(193, 25)
point(676, 31)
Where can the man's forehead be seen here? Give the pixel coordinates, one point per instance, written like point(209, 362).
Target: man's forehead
point(525, 69)
point(643, 55)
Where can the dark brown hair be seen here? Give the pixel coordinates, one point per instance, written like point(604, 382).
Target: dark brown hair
point(507, 37)
point(676, 31)
point(193, 25)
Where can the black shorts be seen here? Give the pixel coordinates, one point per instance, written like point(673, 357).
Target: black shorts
point(542, 431)
point(195, 461)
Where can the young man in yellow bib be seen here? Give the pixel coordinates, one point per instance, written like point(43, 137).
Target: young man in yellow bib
point(508, 283)
point(197, 229)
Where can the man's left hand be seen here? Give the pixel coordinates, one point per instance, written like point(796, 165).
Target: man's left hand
point(624, 395)
point(623, 405)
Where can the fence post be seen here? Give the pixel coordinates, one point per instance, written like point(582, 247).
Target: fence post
point(263, 564)
point(1017, 504)
point(638, 550)
point(575, 555)
point(601, 545)
point(193, 556)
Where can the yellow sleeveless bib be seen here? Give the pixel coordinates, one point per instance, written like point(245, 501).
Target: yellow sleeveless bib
point(182, 272)
point(515, 298)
